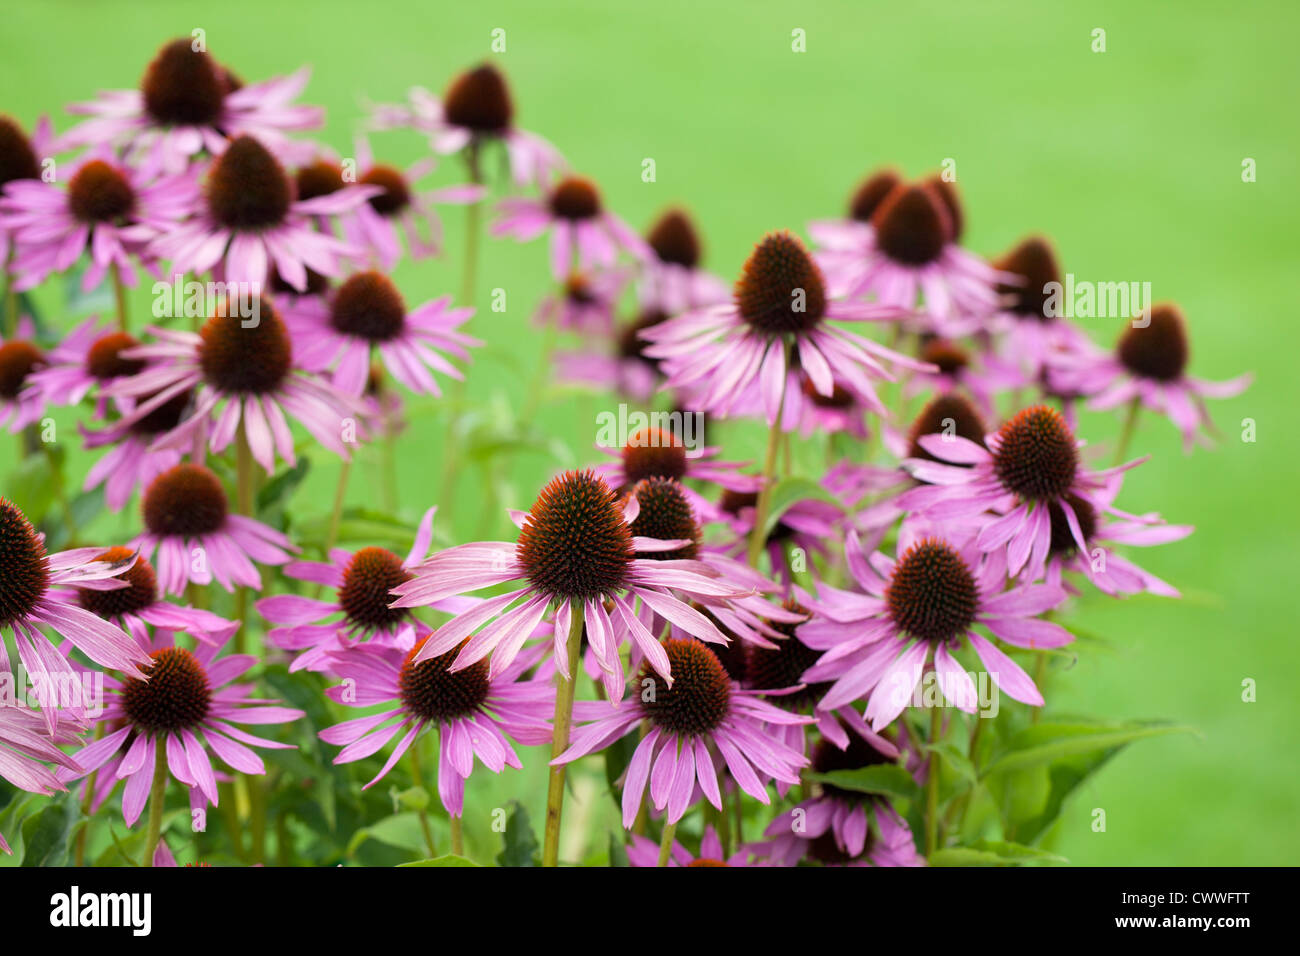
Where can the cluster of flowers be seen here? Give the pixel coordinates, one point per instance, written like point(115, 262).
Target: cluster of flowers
point(761, 636)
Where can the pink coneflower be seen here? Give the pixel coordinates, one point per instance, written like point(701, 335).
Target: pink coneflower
point(187, 522)
point(1149, 365)
point(395, 207)
point(701, 716)
point(33, 595)
point(21, 402)
point(653, 452)
point(473, 710)
point(841, 827)
point(643, 851)
point(910, 255)
point(249, 365)
point(926, 600)
point(475, 112)
point(584, 235)
point(247, 224)
point(189, 104)
point(1033, 333)
point(110, 211)
point(575, 547)
point(1107, 571)
point(362, 581)
point(585, 302)
point(138, 607)
point(620, 365)
point(88, 357)
point(368, 314)
point(1026, 466)
point(131, 463)
point(674, 281)
point(722, 354)
point(187, 693)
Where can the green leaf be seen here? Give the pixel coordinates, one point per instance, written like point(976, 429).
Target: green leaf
point(992, 853)
point(890, 780)
point(358, 524)
point(48, 833)
point(787, 492)
point(401, 830)
point(447, 860)
point(617, 756)
point(1043, 743)
point(275, 494)
point(519, 846)
point(953, 757)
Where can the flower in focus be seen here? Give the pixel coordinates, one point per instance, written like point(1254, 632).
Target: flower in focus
point(367, 313)
point(189, 104)
point(185, 694)
point(701, 717)
point(250, 367)
point(736, 355)
point(575, 549)
point(924, 601)
point(188, 524)
point(472, 709)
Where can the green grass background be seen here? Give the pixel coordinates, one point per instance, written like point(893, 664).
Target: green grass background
point(1130, 159)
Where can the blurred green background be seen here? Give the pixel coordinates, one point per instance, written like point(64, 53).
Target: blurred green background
point(1130, 159)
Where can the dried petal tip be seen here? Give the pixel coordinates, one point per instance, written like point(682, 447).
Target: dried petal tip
point(781, 290)
point(1159, 350)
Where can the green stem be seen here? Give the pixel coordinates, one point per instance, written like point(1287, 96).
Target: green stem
point(1126, 434)
point(84, 835)
point(932, 784)
point(457, 838)
point(156, 795)
point(418, 777)
point(472, 216)
point(1040, 675)
point(560, 738)
point(666, 843)
point(119, 294)
point(244, 504)
point(758, 535)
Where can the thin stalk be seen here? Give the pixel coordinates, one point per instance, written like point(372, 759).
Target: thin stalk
point(1126, 435)
point(84, 835)
point(457, 838)
point(932, 785)
point(119, 294)
point(244, 504)
point(156, 795)
point(560, 738)
point(1040, 674)
point(472, 216)
point(418, 777)
point(757, 536)
point(666, 843)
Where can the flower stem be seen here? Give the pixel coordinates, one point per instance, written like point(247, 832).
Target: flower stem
point(666, 843)
point(560, 738)
point(10, 325)
point(156, 800)
point(472, 214)
point(119, 294)
point(932, 784)
point(244, 503)
point(1126, 435)
point(86, 803)
point(1040, 675)
point(418, 777)
point(758, 535)
point(457, 838)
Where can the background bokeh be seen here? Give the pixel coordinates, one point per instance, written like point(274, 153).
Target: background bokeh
point(1130, 159)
